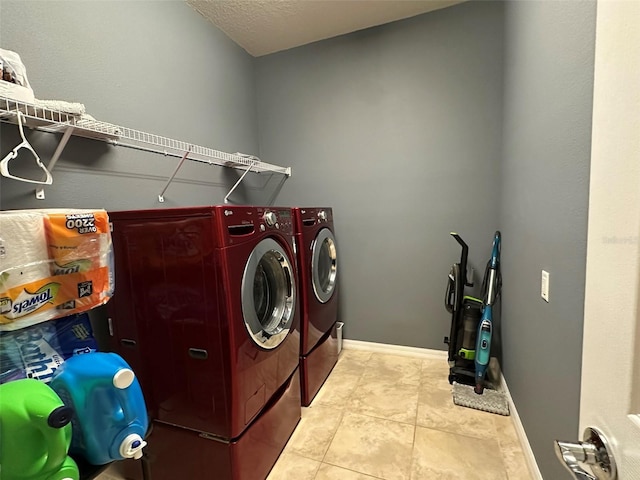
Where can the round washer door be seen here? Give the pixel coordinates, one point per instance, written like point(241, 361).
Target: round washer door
point(268, 294)
point(324, 265)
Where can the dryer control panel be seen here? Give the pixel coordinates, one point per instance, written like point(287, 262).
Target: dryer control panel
point(314, 218)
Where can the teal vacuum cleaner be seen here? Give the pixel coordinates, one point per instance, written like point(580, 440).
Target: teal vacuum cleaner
point(471, 334)
point(492, 286)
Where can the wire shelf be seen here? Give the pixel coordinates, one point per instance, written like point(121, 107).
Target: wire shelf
point(55, 121)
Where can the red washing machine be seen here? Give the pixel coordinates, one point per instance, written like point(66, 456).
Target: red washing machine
point(318, 268)
point(205, 308)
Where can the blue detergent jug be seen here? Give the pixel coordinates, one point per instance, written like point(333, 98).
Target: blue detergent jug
point(110, 419)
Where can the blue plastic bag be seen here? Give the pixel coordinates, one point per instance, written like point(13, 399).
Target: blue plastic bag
point(37, 351)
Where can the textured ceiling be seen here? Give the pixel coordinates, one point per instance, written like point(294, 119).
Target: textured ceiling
point(267, 26)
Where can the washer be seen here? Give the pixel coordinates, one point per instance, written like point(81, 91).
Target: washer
point(206, 309)
point(318, 281)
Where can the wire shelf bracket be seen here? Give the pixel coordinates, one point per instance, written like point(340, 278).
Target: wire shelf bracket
point(226, 197)
point(54, 159)
point(184, 157)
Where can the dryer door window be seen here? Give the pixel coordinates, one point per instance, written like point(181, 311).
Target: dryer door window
point(324, 265)
point(268, 294)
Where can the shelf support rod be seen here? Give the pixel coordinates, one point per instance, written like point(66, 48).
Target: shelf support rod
point(55, 158)
point(184, 157)
point(226, 197)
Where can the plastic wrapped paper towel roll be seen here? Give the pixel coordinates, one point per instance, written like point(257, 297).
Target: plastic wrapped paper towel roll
point(74, 240)
point(79, 241)
point(24, 257)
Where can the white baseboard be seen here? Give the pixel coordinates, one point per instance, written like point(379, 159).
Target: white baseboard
point(522, 435)
point(442, 355)
point(394, 349)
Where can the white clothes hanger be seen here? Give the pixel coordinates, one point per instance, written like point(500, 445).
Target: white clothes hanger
point(4, 163)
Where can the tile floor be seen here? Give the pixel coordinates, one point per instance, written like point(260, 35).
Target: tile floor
point(389, 417)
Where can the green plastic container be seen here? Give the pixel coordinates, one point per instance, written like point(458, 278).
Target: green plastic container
point(35, 433)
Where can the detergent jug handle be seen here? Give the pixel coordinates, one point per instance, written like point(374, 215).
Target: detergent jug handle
point(51, 427)
point(122, 380)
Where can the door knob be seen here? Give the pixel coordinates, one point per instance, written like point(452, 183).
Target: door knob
point(593, 451)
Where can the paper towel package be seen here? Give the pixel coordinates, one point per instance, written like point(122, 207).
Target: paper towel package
point(53, 263)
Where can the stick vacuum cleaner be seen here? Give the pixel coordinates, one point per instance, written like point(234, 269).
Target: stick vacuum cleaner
point(491, 289)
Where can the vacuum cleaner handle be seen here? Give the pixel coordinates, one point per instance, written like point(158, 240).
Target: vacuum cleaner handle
point(495, 250)
point(462, 243)
point(463, 258)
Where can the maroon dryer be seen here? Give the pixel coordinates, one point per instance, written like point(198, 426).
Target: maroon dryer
point(318, 267)
point(205, 310)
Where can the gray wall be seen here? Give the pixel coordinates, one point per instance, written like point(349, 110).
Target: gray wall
point(549, 56)
point(158, 67)
point(398, 128)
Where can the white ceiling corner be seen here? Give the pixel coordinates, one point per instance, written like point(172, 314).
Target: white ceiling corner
point(262, 27)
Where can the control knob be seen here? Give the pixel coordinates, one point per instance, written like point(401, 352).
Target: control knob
point(322, 215)
point(270, 218)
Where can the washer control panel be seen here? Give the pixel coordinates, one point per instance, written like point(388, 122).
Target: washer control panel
point(278, 219)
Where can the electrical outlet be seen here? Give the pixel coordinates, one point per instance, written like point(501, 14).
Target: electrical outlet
point(544, 286)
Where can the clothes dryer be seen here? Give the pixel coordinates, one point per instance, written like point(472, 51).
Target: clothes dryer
point(206, 308)
point(318, 270)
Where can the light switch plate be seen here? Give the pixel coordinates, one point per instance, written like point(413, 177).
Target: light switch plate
point(544, 286)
